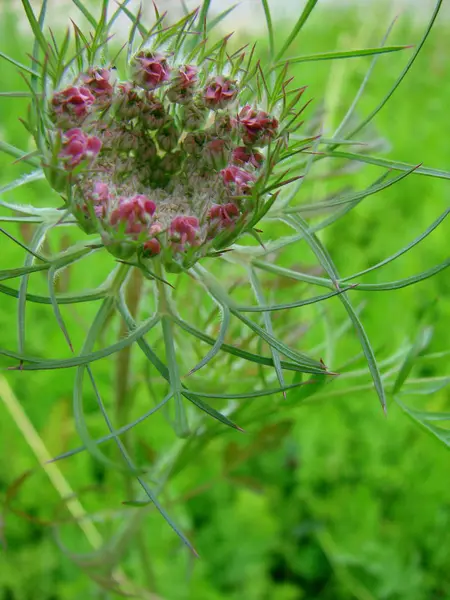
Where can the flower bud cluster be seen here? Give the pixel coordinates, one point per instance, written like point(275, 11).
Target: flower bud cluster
point(163, 163)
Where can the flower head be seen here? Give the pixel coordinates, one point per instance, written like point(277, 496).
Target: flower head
point(184, 230)
point(71, 106)
point(150, 70)
point(257, 126)
point(78, 146)
point(98, 81)
point(135, 212)
point(242, 155)
point(182, 89)
point(151, 248)
point(240, 179)
point(220, 92)
point(223, 215)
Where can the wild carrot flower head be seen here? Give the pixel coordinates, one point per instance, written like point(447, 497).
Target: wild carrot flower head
point(170, 158)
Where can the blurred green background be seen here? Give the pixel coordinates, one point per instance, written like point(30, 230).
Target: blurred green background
point(328, 501)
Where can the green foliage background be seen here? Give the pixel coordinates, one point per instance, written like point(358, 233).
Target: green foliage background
point(330, 500)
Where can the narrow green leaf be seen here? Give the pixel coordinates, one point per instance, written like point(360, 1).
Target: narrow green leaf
point(38, 364)
point(225, 313)
point(328, 266)
point(256, 286)
point(295, 304)
point(21, 271)
point(401, 283)
point(23, 180)
point(361, 90)
point(35, 244)
point(116, 14)
point(310, 5)
point(163, 370)
point(220, 17)
point(181, 423)
point(390, 164)
point(37, 32)
point(421, 343)
point(86, 296)
point(23, 246)
point(402, 75)
point(19, 65)
point(268, 17)
point(424, 418)
point(19, 154)
point(342, 54)
point(89, 16)
point(376, 187)
point(117, 432)
point(403, 250)
point(256, 358)
point(56, 310)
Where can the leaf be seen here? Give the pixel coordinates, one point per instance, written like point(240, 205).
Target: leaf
point(390, 164)
point(376, 187)
point(89, 16)
point(401, 283)
point(36, 242)
point(426, 419)
point(181, 423)
point(402, 75)
point(405, 249)
point(256, 286)
point(342, 54)
point(163, 370)
point(86, 296)
point(328, 266)
point(295, 304)
point(225, 312)
point(421, 343)
point(19, 65)
point(309, 7)
point(38, 364)
point(24, 180)
point(117, 432)
point(37, 31)
point(361, 89)
point(269, 27)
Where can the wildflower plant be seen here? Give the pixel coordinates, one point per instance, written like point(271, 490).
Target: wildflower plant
point(180, 158)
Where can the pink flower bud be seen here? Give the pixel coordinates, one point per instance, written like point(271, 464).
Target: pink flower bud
point(182, 89)
point(135, 212)
point(184, 230)
point(243, 155)
point(241, 179)
point(219, 92)
point(257, 126)
point(77, 146)
point(150, 70)
point(71, 106)
point(151, 248)
point(98, 82)
point(223, 215)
